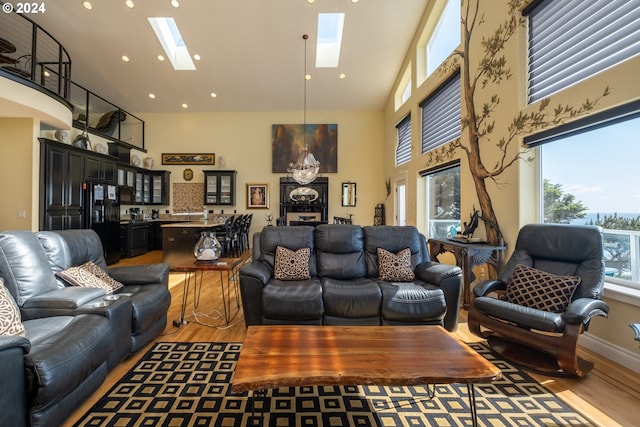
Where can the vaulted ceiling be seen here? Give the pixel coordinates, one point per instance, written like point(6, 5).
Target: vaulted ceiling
point(252, 53)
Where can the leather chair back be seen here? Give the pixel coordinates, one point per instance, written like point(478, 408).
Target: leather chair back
point(567, 250)
point(393, 239)
point(70, 248)
point(340, 251)
point(290, 237)
point(24, 266)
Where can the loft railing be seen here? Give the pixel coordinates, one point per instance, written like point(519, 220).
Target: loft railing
point(27, 51)
point(30, 55)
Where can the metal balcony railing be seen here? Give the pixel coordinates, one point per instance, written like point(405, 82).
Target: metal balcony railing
point(27, 51)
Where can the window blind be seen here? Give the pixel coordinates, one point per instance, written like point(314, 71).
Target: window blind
point(572, 40)
point(441, 115)
point(403, 150)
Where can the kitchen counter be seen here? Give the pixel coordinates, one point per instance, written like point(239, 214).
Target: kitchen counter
point(194, 224)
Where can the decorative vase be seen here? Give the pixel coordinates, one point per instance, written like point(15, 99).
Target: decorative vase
point(207, 248)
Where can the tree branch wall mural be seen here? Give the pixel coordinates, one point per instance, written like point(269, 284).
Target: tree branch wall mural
point(478, 127)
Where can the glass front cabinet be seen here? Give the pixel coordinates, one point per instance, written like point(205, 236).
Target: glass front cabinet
point(220, 187)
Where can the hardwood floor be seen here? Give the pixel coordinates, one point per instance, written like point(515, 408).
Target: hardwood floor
point(609, 395)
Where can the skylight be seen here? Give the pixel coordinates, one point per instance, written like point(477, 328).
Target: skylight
point(330, 26)
point(169, 36)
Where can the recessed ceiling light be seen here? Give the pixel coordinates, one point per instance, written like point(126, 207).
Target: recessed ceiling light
point(46, 73)
point(354, 1)
point(214, 95)
point(330, 27)
point(311, 1)
point(152, 96)
point(87, 5)
point(129, 4)
point(169, 36)
point(160, 58)
point(175, 3)
point(185, 106)
point(125, 58)
point(342, 76)
point(307, 76)
point(196, 57)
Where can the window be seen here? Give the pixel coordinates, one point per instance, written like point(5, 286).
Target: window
point(443, 200)
point(403, 92)
point(444, 38)
point(589, 169)
point(441, 115)
point(572, 40)
point(403, 150)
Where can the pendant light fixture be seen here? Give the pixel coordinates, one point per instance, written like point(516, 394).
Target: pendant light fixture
point(306, 168)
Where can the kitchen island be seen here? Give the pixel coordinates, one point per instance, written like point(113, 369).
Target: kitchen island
point(179, 239)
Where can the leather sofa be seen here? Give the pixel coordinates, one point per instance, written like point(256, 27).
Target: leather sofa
point(344, 287)
point(73, 336)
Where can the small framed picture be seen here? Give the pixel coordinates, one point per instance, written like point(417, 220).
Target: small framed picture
point(257, 196)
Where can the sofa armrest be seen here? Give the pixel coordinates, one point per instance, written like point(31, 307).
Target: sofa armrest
point(68, 298)
point(141, 274)
point(482, 289)
point(253, 277)
point(449, 279)
point(258, 270)
point(13, 394)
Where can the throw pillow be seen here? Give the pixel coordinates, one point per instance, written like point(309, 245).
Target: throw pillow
point(292, 265)
point(538, 289)
point(395, 267)
point(10, 322)
point(87, 275)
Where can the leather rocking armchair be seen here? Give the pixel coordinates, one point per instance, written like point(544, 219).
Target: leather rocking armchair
point(545, 297)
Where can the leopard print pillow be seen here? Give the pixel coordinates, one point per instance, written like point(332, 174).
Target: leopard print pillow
point(395, 267)
point(88, 276)
point(10, 321)
point(292, 265)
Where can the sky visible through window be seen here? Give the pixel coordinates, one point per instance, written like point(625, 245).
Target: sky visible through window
point(601, 168)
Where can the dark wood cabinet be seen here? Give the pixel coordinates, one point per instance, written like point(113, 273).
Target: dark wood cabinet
point(61, 187)
point(220, 187)
point(99, 169)
point(159, 181)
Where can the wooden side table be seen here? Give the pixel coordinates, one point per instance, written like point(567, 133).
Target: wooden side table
point(191, 269)
point(469, 255)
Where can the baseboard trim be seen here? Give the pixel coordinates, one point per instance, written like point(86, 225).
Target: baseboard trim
point(617, 354)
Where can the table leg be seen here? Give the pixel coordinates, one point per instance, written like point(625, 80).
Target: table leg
point(226, 307)
point(472, 404)
point(185, 294)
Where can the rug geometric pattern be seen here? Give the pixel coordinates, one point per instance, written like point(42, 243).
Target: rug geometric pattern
point(188, 384)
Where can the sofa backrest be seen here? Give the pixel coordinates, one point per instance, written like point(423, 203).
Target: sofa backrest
point(24, 265)
point(70, 248)
point(393, 239)
point(290, 237)
point(340, 251)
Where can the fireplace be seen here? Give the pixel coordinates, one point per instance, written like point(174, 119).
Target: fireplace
point(304, 203)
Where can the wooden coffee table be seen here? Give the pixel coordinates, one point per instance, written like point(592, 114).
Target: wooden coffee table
point(296, 355)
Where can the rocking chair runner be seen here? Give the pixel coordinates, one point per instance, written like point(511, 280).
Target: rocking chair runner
point(533, 327)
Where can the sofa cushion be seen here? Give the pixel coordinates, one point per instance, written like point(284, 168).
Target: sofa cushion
point(24, 265)
point(393, 239)
point(84, 276)
point(355, 298)
point(291, 265)
point(538, 289)
point(293, 238)
point(395, 267)
point(340, 251)
point(288, 300)
point(10, 322)
point(412, 302)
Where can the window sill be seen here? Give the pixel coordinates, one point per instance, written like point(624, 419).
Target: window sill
point(622, 293)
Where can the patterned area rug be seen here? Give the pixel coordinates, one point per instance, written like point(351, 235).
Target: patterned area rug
point(188, 384)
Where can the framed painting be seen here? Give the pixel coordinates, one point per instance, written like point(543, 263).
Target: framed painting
point(287, 142)
point(257, 196)
point(188, 159)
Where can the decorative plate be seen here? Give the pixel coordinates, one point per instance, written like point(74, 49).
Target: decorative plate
point(100, 148)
